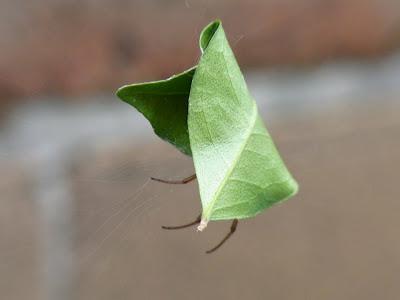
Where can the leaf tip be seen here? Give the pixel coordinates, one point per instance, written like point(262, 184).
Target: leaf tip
point(120, 93)
point(207, 33)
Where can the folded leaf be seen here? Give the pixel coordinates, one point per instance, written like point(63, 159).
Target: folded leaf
point(165, 104)
point(207, 112)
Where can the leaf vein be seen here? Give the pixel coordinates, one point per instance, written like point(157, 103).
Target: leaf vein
point(230, 170)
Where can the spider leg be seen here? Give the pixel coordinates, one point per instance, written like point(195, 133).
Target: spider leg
point(197, 221)
point(232, 230)
point(182, 181)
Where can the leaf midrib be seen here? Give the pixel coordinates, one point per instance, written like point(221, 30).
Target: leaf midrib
point(236, 159)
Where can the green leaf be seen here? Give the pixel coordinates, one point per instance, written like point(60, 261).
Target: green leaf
point(165, 104)
point(208, 112)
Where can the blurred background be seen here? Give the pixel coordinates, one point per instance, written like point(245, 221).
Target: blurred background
point(79, 217)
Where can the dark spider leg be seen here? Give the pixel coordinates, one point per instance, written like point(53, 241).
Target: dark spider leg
point(183, 181)
point(233, 229)
point(183, 226)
